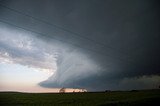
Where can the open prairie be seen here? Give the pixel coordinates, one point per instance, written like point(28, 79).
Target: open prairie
point(112, 98)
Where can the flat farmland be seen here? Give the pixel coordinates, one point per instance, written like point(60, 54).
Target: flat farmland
point(112, 98)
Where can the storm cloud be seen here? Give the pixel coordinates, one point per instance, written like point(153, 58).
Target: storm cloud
point(92, 44)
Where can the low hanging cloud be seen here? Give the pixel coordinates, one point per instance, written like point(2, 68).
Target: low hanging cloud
point(143, 82)
point(20, 47)
point(66, 64)
point(69, 67)
point(72, 67)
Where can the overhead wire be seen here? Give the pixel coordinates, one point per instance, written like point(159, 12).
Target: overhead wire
point(72, 33)
point(73, 44)
point(43, 34)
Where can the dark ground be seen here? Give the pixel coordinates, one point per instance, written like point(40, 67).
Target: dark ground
point(114, 98)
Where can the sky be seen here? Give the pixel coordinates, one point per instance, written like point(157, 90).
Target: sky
point(92, 44)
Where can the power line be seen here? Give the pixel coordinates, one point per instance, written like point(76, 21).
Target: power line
point(62, 28)
point(43, 35)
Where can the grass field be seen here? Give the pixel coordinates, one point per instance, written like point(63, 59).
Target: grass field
point(116, 98)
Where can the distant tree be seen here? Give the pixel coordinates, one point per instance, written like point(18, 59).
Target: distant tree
point(62, 90)
point(107, 90)
point(134, 90)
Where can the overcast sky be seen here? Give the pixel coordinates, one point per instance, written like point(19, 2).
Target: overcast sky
point(91, 44)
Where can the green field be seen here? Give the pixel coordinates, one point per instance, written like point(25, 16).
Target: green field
point(114, 98)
